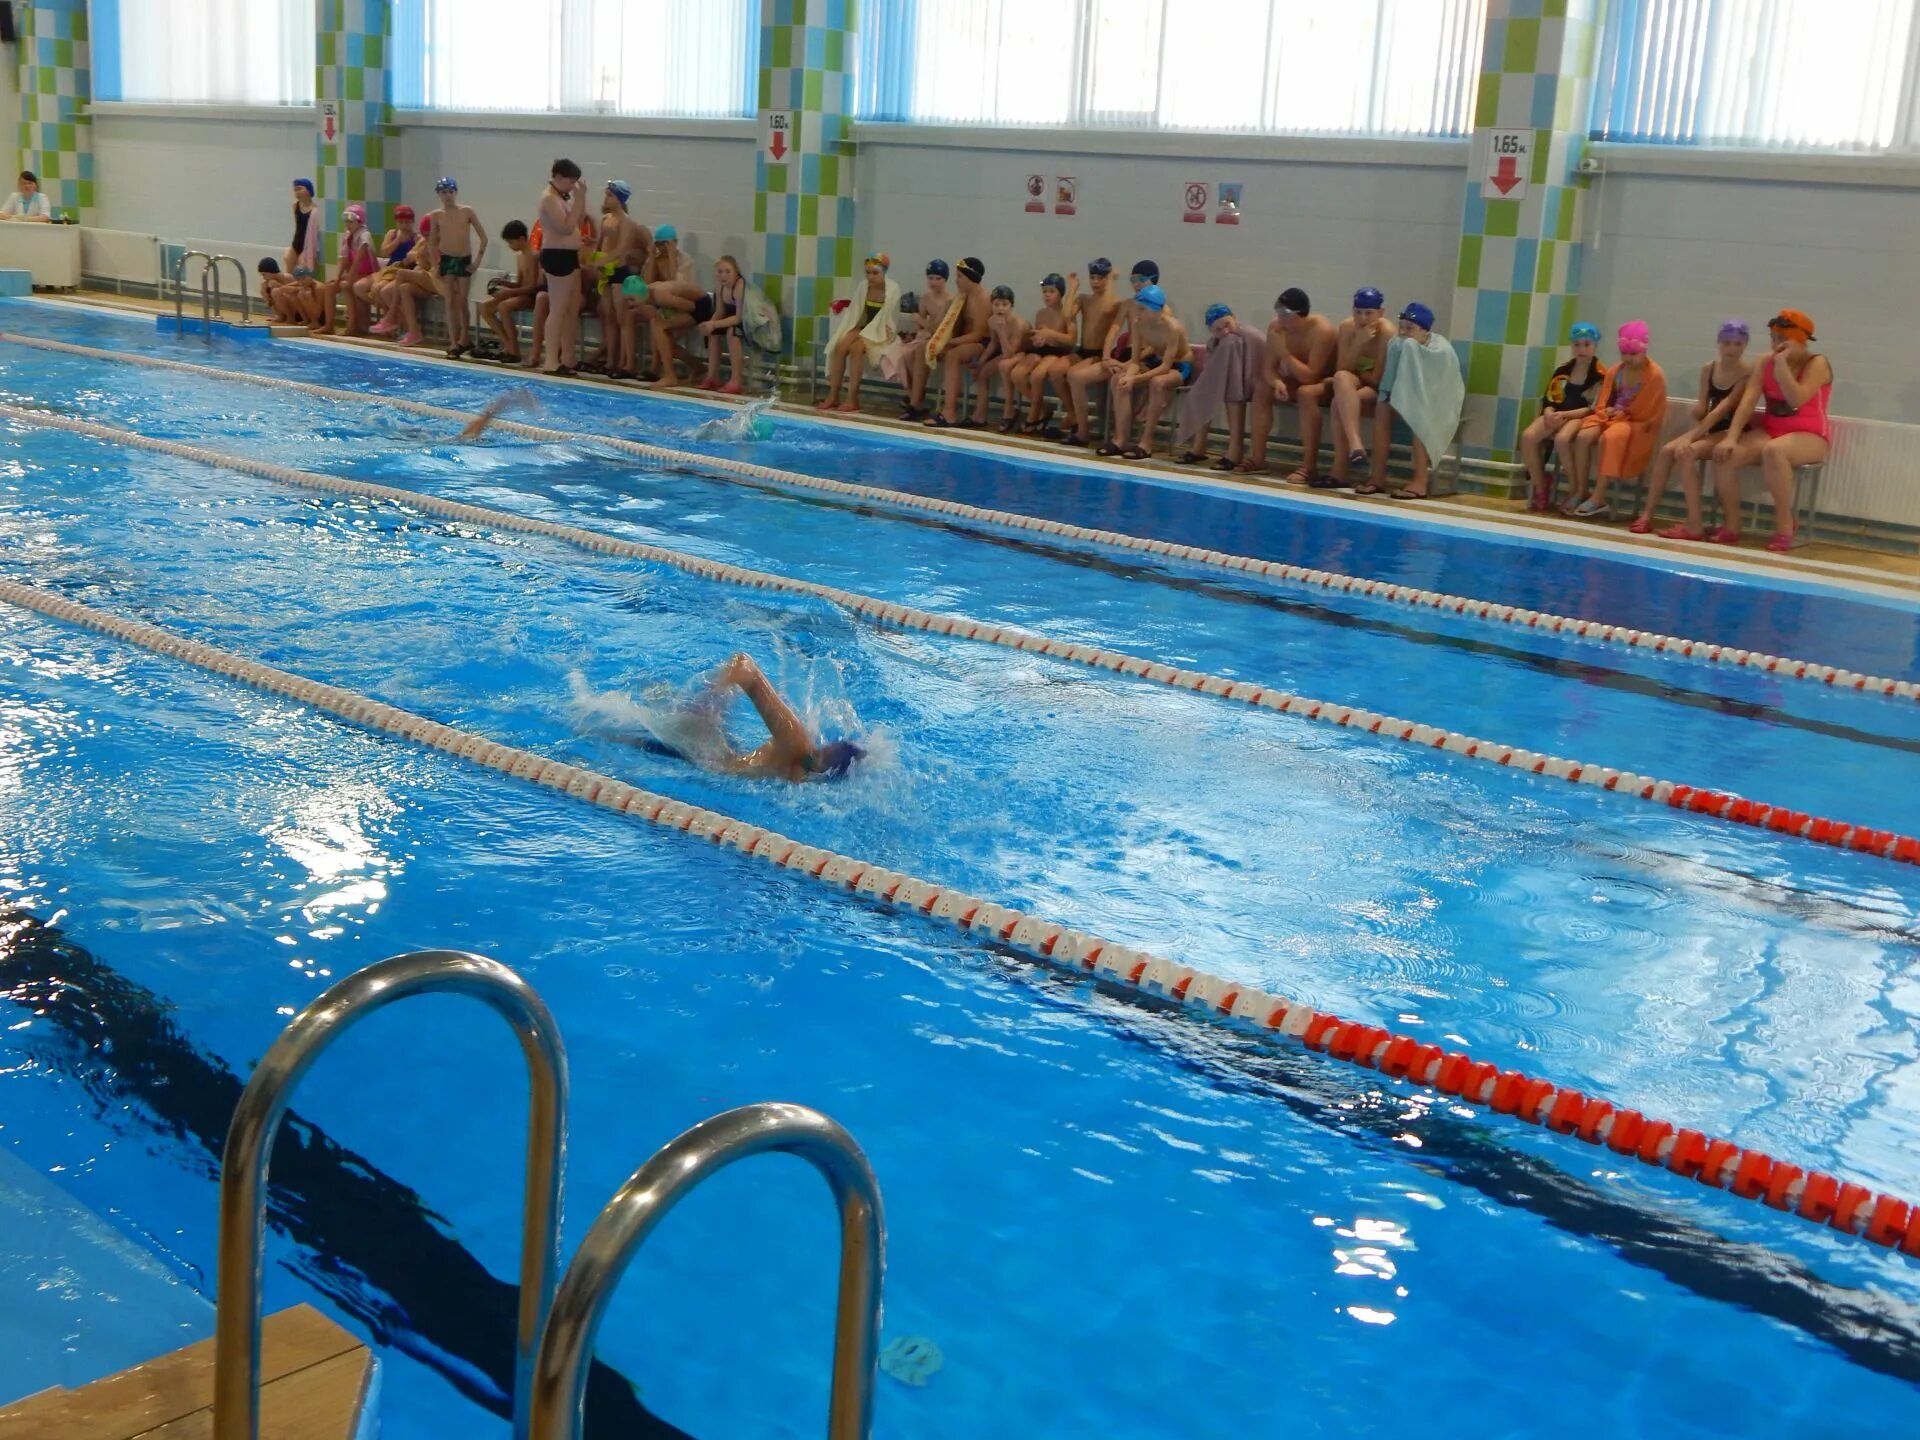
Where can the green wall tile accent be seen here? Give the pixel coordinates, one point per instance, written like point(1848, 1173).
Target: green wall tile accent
point(55, 136)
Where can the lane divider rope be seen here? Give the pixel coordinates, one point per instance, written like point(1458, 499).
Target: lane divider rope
point(1717, 804)
point(1747, 1174)
point(1306, 576)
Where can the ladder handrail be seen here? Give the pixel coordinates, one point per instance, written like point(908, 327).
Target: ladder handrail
point(679, 1166)
point(180, 291)
point(240, 273)
point(256, 1121)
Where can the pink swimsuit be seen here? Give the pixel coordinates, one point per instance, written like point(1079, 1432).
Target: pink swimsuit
point(1782, 418)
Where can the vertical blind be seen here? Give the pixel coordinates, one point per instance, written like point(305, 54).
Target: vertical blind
point(613, 57)
point(1787, 74)
point(1339, 67)
point(205, 52)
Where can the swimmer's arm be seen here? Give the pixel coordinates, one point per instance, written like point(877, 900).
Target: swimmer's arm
point(790, 738)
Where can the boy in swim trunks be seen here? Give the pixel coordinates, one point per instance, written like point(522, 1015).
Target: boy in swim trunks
point(1095, 313)
point(562, 209)
point(624, 243)
point(1300, 348)
point(517, 293)
point(969, 335)
point(1007, 330)
point(672, 292)
point(453, 254)
point(1160, 363)
point(1049, 351)
point(1359, 358)
point(930, 311)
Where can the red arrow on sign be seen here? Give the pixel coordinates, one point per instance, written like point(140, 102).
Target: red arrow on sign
point(779, 145)
point(329, 131)
point(1508, 175)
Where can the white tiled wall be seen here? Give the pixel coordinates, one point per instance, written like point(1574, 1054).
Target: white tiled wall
point(1684, 253)
point(1328, 228)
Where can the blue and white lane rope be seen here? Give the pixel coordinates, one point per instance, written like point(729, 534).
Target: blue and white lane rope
point(1301, 575)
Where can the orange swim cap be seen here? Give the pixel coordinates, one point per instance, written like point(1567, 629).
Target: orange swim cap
point(1794, 324)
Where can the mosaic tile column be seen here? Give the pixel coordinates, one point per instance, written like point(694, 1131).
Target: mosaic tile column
point(1520, 258)
point(56, 82)
point(803, 206)
point(355, 43)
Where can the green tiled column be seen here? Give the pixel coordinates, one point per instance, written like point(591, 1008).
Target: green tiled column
point(1520, 259)
point(803, 206)
point(355, 46)
point(56, 82)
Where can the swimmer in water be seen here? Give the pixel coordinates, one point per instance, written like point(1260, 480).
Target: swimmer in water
point(790, 751)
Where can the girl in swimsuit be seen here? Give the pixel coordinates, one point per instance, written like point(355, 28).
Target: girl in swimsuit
point(1722, 381)
point(1568, 400)
point(356, 262)
point(1791, 388)
point(717, 316)
point(863, 326)
point(377, 289)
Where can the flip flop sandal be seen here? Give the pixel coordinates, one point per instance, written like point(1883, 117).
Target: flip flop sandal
point(1075, 441)
point(1326, 482)
point(1012, 426)
point(1227, 466)
point(1191, 457)
point(1640, 526)
point(1410, 495)
point(1680, 532)
point(970, 424)
point(1109, 451)
point(1134, 452)
point(1592, 510)
point(1782, 544)
point(1356, 459)
point(938, 422)
point(1724, 536)
point(1299, 475)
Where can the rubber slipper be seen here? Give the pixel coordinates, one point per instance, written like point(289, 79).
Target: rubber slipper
point(1723, 536)
point(1226, 466)
point(1410, 495)
point(1134, 452)
point(1109, 451)
point(1781, 544)
point(1681, 532)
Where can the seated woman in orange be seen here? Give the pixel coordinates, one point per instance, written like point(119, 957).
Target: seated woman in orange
point(1793, 384)
point(1626, 420)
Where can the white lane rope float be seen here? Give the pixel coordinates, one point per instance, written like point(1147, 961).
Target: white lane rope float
point(1718, 804)
point(1308, 577)
point(1851, 1209)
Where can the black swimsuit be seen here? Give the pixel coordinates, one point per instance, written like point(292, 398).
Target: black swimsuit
point(559, 262)
point(1714, 396)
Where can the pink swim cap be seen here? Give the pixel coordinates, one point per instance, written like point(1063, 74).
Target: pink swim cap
point(1633, 337)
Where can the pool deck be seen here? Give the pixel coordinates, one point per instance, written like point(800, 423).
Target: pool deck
point(1883, 573)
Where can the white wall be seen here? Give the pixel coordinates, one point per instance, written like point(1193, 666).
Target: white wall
point(1389, 216)
point(1685, 251)
point(199, 178)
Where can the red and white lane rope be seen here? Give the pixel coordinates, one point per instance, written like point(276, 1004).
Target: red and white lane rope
point(1747, 1174)
point(1718, 804)
point(1301, 575)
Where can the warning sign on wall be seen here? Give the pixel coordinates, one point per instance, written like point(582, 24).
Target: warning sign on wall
point(1036, 195)
point(1066, 192)
point(1196, 202)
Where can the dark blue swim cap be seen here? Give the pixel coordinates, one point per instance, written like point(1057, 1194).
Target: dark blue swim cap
point(835, 758)
point(1147, 268)
point(939, 267)
point(1102, 266)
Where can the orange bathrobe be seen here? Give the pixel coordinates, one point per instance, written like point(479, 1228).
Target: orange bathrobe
point(1626, 446)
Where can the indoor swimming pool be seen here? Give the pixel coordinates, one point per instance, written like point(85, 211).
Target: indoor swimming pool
point(1110, 1215)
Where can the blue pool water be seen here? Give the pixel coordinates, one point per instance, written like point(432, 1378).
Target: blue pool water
point(1093, 1205)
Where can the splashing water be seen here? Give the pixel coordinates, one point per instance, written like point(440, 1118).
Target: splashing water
point(749, 422)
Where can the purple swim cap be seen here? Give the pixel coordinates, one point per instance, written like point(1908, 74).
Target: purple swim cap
point(1735, 330)
point(835, 758)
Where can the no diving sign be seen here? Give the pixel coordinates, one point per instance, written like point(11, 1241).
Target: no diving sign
point(1197, 194)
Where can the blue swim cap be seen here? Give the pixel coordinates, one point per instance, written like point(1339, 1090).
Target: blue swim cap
point(939, 267)
point(665, 232)
point(622, 189)
point(1214, 312)
point(1369, 299)
point(306, 185)
point(1153, 297)
point(1585, 331)
point(445, 182)
point(1417, 314)
point(1055, 282)
point(1102, 266)
point(834, 759)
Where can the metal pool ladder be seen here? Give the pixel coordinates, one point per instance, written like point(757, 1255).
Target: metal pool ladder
point(210, 301)
point(554, 1341)
point(256, 1120)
